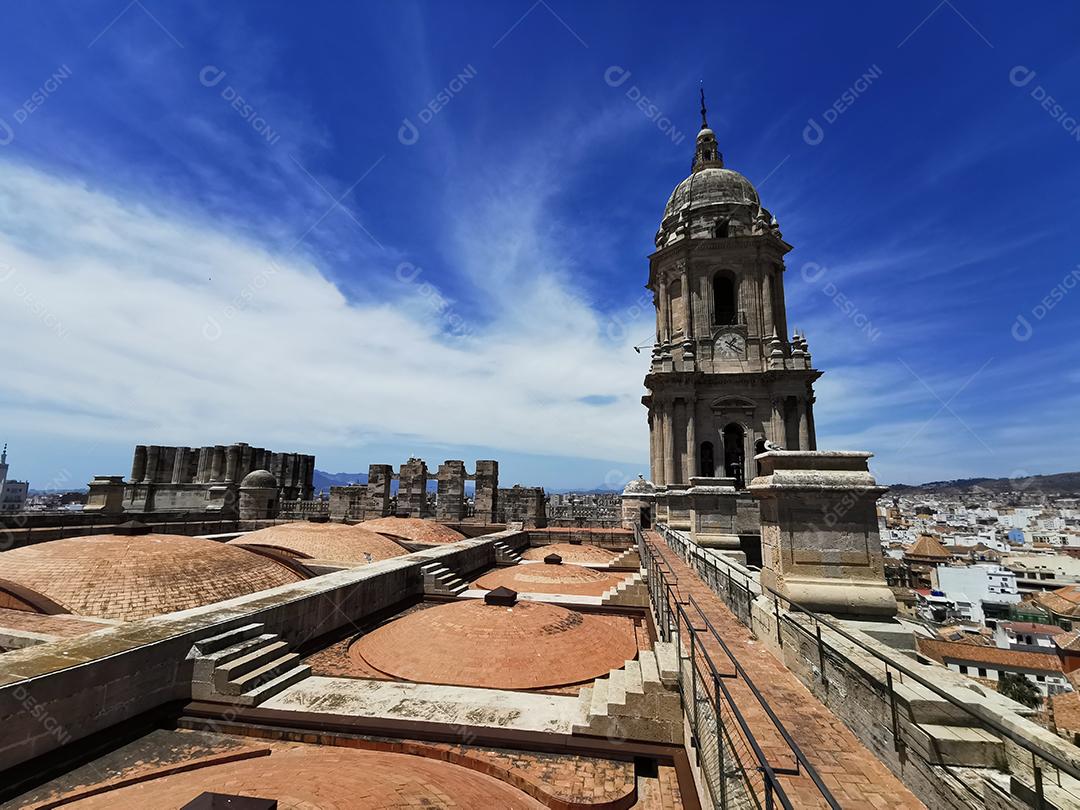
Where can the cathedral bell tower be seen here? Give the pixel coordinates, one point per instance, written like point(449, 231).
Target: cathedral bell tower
point(724, 377)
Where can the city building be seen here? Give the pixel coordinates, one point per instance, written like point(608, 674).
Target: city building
point(12, 493)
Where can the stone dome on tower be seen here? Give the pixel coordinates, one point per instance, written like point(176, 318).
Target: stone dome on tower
point(714, 201)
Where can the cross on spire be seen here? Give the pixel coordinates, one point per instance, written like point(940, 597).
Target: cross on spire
point(704, 123)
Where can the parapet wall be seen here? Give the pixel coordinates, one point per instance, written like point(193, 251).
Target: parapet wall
point(61, 691)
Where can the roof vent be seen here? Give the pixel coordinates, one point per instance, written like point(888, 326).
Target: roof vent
point(575, 541)
point(501, 596)
point(553, 559)
point(318, 519)
point(132, 528)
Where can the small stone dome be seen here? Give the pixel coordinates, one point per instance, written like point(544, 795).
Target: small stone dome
point(572, 553)
point(259, 479)
point(323, 541)
point(566, 579)
point(532, 645)
point(413, 530)
point(639, 486)
point(712, 186)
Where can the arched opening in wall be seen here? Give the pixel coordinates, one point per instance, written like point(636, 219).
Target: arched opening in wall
point(733, 454)
point(725, 309)
point(646, 517)
point(706, 460)
point(759, 448)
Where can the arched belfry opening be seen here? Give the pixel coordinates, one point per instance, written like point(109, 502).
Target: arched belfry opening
point(706, 460)
point(734, 455)
point(725, 309)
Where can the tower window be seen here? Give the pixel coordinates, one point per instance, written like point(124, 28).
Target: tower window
point(722, 229)
point(724, 301)
point(733, 454)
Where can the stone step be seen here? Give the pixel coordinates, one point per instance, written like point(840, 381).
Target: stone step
point(922, 706)
point(585, 699)
point(634, 683)
point(616, 686)
point(260, 675)
point(667, 661)
point(956, 745)
point(206, 664)
point(250, 661)
point(432, 568)
point(650, 672)
point(598, 705)
point(229, 638)
point(278, 684)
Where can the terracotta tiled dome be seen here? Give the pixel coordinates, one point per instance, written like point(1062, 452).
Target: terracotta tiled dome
point(324, 541)
point(413, 530)
point(572, 553)
point(532, 645)
point(132, 577)
point(329, 778)
point(546, 578)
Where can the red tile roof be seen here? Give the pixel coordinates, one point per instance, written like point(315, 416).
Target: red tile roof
point(413, 530)
point(993, 657)
point(324, 541)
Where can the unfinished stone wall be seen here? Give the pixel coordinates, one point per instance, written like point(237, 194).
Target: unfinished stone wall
point(451, 502)
point(523, 505)
point(412, 489)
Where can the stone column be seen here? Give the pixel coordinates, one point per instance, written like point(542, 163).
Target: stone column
point(180, 465)
point(665, 314)
point(486, 494)
point(691, 440)
point(659, 476)
point(217, 467)
point(767, 324)
point(450, 505)
point(153, 456)
point(378, 491)
point(138, 464)
point(810, 422)
point(819, 532)
point(202, 474)
point(232, 463)
point(688, 327)
point(776, 425)
point(412, 488)
point(804, 427)
point(669, 444)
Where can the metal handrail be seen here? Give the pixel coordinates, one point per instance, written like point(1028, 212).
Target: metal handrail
point(768, 770)
point(993, 725)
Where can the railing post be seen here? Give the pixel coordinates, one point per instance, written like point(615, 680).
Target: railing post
point(897, 742)
point(1039, 803)
point(821, 655)
point(720, 742)
point(776, 612)
point(693, 693)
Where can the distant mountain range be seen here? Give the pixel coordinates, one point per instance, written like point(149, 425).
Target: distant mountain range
point(322, 481)
point(1058, 484)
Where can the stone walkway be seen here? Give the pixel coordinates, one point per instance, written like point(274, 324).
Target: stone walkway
point(457, 705)
point(855, 776)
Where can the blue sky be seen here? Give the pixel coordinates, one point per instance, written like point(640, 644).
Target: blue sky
point(369, 230)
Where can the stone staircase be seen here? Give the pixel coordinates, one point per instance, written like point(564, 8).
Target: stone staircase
point(628, 559)
point(637, 702)
point(632, 591)
point(505, 554)
point(441, 581)
point(244, 665)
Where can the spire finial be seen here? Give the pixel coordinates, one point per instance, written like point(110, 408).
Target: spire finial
point(704, 123)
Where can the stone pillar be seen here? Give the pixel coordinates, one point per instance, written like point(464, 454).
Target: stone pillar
point(819, 532)
point(202, 475)
point(217, 468)
point(691, 440)
point(777, 428)
point(450, 506)
point(669, 445)
point(486, 496)
point(713, 509)
point(378, 491)
point(245, 457)
point(658, 431)
point(106, 495)
point(810, 423)
point(179, 469)
point(153, 456)
point(804, 426)
point(138, 464)
point(665, 315)
point(688, 315)
point(232, 463)
point(767, 325)
point(412, 488)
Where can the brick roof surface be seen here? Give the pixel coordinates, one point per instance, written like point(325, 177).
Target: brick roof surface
point(1065, 709)
point(531, 645)
point(545, 578)
point(927, 546)
point(413, 530)
point(328, 778)
point(324, 541)
point(996, 657)
point(133, 577)
point(572, 553)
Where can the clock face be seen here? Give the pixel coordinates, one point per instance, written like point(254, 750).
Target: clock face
point(731, 345)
